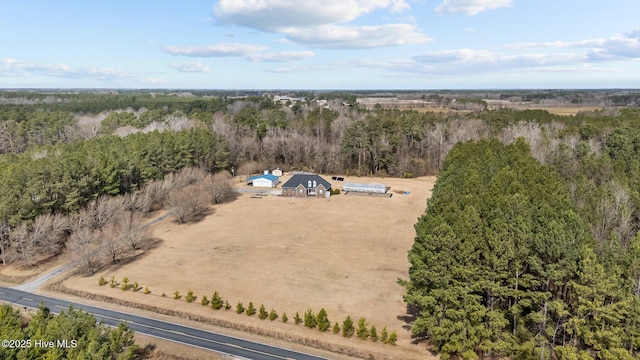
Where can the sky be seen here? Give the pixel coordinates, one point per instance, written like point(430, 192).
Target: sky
point(329, 44)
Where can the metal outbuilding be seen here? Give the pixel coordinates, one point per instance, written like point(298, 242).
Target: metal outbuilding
point(364, 188)
point(266, 180)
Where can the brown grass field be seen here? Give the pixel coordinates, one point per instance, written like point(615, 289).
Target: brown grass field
point(344, 253)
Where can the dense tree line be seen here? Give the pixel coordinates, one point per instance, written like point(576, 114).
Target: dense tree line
point(85, 338)
point(505, 265)
point(64, 178)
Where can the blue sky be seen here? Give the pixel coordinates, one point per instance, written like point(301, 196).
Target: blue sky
point(329, 44)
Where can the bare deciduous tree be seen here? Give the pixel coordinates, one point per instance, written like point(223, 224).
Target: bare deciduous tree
point(22, 243)
point(86, 250)
point(111, 245)
point(132, 230)
point(49, 232)
point(219, 188)
point(188, 204)
point(100, 212)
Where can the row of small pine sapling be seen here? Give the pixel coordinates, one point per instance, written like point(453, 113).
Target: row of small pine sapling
point(310, 320)
point(124, 285)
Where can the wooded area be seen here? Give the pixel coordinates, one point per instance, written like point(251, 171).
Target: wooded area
point(85, 339)
point(519, 259)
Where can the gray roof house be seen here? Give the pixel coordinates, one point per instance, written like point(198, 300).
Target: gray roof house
point(306, 185)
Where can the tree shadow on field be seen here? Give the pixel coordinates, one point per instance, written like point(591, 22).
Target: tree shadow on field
point(144, 250)
point(201, 215)
point(412, 314)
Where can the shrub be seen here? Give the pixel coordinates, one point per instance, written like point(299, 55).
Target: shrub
point(216, 301)
point(347, 327)
point(227, 306)
point(190, 297)
point(334, 191)
point(285, 318)
point(336, 328)
point(251, 310)
point(384, 336)
point(273, 314)
point(176, 295)
point(323, 320)
point(163, 295)
point(204, 301)
point(262, 314)
point(297, 319)
point(112, 282)
point(239, 308)
point(373, 333)
point(310, 320)
point(146, 290)
point(102, 281)
point(362, 331)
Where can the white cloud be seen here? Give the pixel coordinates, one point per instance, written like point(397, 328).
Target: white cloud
point(358, 37)
point(216, 50)
point(471, 7)
point(283, 56)
point(278, 15)
point(321, 24)
point(468, 60)
point(556, 44)
point(616, 47)
point(15, 68)
point(190, 67)
point(257, 53)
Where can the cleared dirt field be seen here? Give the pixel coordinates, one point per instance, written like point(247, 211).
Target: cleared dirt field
point(343, 253)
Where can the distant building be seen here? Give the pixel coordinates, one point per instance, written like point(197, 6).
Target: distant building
point(306, 185)
point(264, 180)
point(277, 172)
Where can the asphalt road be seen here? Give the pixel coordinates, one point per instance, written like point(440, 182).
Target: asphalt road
point(161, 329)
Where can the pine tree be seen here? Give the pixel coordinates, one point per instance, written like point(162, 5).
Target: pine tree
point(204, 301)
point(190, 297)
point(393, 337)
point(297, 319)
point(125, 284)
point(310, 320)
point(239, 308)
point(373, 333)
point(347, 327)
point(323, 320)
point(362, 331)
point(273, 315)
point(227, 306)
point(284, 317)
point(336, 328)
point(384, 336)
point(251, 310)
point(262, 313)
point(216, 301)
